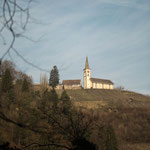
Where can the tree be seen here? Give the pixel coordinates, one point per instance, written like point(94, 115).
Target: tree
point(54, 99)
point(25, 85)
point(43, 83)
point(7, 65)
point(53, 95)
point(54, 77)
point(17, 75)
point(7, 81)
point(64, 96)
point(66, 103)
point(107, 138)
point(111, 141)
point(74, 127)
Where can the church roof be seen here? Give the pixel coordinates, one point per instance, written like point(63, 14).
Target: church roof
point(104, 81)
point(71, 82)
point(87, 64)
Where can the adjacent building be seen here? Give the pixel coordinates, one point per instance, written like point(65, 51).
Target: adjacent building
point(71, 84)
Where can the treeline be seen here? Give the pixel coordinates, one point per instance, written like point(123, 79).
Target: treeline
point(45, 121)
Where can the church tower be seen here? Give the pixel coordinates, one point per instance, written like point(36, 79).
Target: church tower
point(87, 76)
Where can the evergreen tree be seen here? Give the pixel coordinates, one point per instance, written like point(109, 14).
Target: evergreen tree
point(7, 81)
point(53, 95)
point(64, 96)
point(54, 77)
point(25, 85)
point(66, 103)
point(54, 98)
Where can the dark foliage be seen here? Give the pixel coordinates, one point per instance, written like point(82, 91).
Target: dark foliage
point(66, 103)
point(107, 138)
point(6, 146)
point(83, 144)
point(45, 121)
point(53, 95)
point(7, 81)
point(25, 85)
point(64, 96)
point(54, 77)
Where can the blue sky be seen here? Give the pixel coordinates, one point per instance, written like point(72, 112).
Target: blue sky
point(114, 34)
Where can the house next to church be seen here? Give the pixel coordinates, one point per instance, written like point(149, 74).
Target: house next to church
point(71, 84)
point(94, 83)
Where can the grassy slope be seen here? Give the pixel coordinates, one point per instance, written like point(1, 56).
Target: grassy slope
point(108, 98)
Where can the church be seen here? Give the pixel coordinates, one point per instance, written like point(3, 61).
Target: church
point(95, 83)
point(88, 81)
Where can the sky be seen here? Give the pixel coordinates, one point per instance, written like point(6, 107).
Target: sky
point(113, 34)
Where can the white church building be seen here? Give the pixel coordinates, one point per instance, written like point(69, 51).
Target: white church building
point(95, 83)
point(88, 81)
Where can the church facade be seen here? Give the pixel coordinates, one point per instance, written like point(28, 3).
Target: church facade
point(94, 83)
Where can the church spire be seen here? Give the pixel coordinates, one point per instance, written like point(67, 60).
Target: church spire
point(87, 64)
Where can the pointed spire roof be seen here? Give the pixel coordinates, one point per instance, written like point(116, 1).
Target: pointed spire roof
point(87, 64)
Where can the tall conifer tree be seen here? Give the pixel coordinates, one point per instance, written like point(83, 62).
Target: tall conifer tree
point(66, 102)
point(54, 77)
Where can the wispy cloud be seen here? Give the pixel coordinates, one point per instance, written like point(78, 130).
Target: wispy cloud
point(144, 5)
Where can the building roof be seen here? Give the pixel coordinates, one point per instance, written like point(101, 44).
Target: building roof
point(71, 82)
point(95, 80)
point(87, 64)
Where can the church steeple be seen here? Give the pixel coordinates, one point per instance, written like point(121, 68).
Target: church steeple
point(87, 64)
point(87, 75)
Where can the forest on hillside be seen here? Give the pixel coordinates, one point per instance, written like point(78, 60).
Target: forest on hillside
point(41, 120)
point(31, 119)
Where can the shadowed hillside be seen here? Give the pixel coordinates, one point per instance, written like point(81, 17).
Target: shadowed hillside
point(127, 111)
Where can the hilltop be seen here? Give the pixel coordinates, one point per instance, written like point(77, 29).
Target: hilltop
point(100, 98)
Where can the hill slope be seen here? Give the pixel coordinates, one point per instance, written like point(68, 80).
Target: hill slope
point(100, 98)
point(127, 111)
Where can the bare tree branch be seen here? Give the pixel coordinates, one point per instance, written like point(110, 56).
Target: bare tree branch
point(10, 8)
point(29, 63)
point(35, 129)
